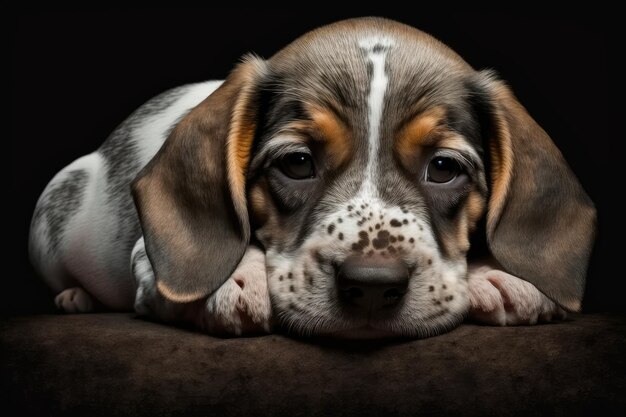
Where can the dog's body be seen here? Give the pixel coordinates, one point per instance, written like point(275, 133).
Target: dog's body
point(86, 225)
point(360, 159)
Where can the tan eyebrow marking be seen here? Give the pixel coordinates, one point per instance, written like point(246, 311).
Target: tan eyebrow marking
point(418, 132)
point(326, 127)
point(427, 130)
point(335, 134)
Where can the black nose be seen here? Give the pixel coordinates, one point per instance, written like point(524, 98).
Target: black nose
point(372, 282)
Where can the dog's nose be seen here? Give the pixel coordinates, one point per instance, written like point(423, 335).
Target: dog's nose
point(372, 282)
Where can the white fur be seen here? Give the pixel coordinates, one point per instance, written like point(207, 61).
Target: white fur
point(58, 267)
point(240, 306)
point(152, 131)
point(312, 306)
point(90, 253)
point(375, 105)
point(74, 300)
point(501, 299)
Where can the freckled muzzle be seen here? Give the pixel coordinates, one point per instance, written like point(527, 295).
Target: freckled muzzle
point(368, 264)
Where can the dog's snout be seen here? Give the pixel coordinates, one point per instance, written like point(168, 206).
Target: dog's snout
point(372, 282)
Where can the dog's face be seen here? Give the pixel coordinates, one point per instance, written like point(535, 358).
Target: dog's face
point(361, 157)
point(370, 165)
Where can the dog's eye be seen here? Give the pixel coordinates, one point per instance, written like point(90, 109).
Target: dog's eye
point(442, 169)
point(297, 165)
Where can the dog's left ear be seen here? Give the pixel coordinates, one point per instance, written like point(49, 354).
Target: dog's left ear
point(540, 222)
point(191, 196)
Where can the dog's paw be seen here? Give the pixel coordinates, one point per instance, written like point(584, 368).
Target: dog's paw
point(242, 305)
point(501, 299)
point(74, 300)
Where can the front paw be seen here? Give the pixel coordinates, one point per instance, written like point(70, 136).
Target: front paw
point(74, 300)
point(242, 305)
point(501, 299)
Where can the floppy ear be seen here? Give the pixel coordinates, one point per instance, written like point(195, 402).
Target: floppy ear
point(191, 196)
point(540, 222)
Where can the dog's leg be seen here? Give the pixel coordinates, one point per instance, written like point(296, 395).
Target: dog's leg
point(240, 306)
point(58, 236)
point(148, 301)
point(74, 300)
point(501, 299)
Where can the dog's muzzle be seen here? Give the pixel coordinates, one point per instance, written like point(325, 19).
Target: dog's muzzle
point(372, 283)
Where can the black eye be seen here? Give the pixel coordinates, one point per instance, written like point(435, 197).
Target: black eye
point(442, 169)
point(297, 165)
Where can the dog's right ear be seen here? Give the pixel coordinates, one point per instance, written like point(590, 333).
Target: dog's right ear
point(540, 222)
point(191, 197)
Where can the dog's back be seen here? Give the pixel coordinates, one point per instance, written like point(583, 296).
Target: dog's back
point(85, 224)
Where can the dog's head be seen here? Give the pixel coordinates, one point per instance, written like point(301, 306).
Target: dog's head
point(363, 157)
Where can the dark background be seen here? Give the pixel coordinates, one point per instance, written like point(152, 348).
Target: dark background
point(76, 74)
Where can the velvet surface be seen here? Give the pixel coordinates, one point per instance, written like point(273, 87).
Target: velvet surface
point(116, 364)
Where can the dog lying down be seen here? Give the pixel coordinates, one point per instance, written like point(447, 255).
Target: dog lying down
point(333, 189)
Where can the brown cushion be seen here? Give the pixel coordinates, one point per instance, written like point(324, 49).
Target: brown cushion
point(116, 364)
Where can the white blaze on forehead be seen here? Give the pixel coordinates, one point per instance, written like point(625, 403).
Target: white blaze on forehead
point(376, 49)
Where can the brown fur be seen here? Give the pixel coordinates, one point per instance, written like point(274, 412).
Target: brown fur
point(185, 188)
point(423, 130)
point(334, 133)
point(540, 222)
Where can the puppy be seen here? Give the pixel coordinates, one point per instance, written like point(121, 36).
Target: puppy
point(333, 189)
